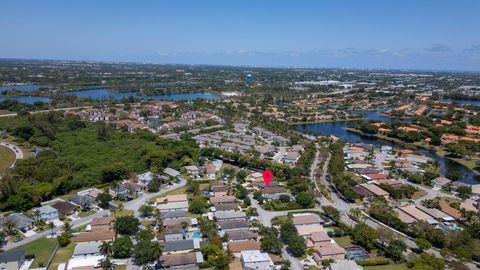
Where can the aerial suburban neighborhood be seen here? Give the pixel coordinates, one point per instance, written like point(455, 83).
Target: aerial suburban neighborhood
point(240, 135)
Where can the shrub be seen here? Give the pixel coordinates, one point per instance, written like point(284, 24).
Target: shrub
point(373, 262)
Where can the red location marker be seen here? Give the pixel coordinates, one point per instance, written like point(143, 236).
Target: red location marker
point(267, 177)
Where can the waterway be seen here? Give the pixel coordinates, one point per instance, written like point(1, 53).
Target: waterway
point(463, 101)
point(27, 99)
point(23, 87)
point(338, 129)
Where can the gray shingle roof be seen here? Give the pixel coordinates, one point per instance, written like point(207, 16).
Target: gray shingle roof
point(180, 245)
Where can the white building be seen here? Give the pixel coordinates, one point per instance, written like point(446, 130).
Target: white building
point(256, 260)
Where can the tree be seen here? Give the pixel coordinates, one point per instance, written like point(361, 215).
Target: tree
point(146, 251)
point(146, 210)
point(270, 241)
point(51, 225)
point(287, 231)
point(422, 244)
point(215, 256)
point(331, 212)
point(456, 149)
point(464, 192)
point(296, 245)
point(127, 225)
point(453, 175)
point(305, 199)
point(426, 262)
point(153, 186)
point(197, 205)
point(241, 192)
point(241, 175)
point(106, 249)
point(122, 247)
point(364, 235)
point(115, 172)
point(355, 214)
point(106, 264)
point(395, 250)
point(104, 200)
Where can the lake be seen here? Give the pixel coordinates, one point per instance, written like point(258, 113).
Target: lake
point(105, 94)
point(338, 129)
point(463, 101)
point(26, 99)
point(23, 88)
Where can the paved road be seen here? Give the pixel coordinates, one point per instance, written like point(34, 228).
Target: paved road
point(18, 152)
point(294, 262)
point(51, 110)
point(131, 205)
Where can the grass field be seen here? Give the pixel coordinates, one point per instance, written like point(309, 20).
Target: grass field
point(401, 266)
point(62, 255)
point(7, 157)
point(120, 267)
point(42, 249)
point(343, 241)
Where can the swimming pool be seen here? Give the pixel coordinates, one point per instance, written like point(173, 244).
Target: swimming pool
point(197, 235)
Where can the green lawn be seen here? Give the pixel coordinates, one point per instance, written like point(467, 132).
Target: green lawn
point(42, 249)
point(120, 267)
point(180, 190)
point(7, 157)
point(343, 241)
point(62, 255)
point(86, 213)
point(400, 266)
point(418, 194)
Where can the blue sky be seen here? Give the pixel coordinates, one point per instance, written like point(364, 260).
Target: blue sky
point(405, 34)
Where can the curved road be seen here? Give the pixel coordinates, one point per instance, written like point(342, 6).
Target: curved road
point(16, 150)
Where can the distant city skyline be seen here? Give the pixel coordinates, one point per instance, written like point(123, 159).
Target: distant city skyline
point(372, 34)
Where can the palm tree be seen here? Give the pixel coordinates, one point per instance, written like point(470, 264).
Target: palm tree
point(36, 213)
point(355, 213)
point(115, 185)
point(10, 227)
point(67, 228)
point(106, 249)
point(106, 264)
point(51, 225)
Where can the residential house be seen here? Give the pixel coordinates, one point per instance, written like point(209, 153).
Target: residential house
point(145, 178)
point(97, 236)
point(291, 158)
point(84, 249)
point(236, 247)
point(46, 213)
point(172, 234)
point(172, 173)
point(65, 208)
point(307, 231)
point(327, 251)
point(193, 171)
point(225, 207)
point(255, 177)
point(85, 202)
point(440, 182)
point(222, 200)
point(232, 225)
point(85, 262)
point(210, 170)
point(173, 206)
point(475, 192)
point(229, 215)
point(12, 260)
point(416, 214)
point(274, 193)
point(20, 221)
point(241, 235)
point(180, 221)
point(370, 191)
point(307, 219)
point(173, 214)
point(181, 260)
point(256, 260)
point(220, 191)
point(101, 224)
point(181, 246)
